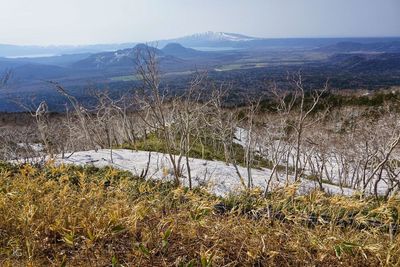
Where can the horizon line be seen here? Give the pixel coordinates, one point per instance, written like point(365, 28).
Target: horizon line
point(183, 36)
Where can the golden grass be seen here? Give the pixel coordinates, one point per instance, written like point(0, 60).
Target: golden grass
point(74, 216)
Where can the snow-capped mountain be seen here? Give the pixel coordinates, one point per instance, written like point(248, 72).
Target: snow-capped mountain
point(218, 37)
point(213, 39)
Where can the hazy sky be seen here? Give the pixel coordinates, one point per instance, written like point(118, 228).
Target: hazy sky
point(113, 21)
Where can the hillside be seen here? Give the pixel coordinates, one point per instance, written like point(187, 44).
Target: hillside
point(342, 47)
point(189, 181)
point(383, 62)
point(178, 50)
point(200, 133)
point(73, 216)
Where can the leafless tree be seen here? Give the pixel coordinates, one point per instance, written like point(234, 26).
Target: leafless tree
point(174, 119)
point(187, 119)
point(292, 102)
point(83, 116)
point(252, 109)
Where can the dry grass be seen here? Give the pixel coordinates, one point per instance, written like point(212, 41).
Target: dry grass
point(73, 216)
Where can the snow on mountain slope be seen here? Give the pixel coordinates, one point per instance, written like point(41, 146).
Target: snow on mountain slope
point(332, 164)
point(219, 36)
point(214, 40)
point(219, 177)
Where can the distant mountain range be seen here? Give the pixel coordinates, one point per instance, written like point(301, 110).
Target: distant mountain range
point(207, 39)
point(173, 55)
point(200, 41)
point(227, 56)
point(179, 56)
point(16, 51)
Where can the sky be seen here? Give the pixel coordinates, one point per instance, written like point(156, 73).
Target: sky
point(56, 22)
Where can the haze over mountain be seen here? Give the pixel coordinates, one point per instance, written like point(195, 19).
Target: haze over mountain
point(178, 50)
point(389, 46)
point(219, 53)
point(17, 51)
point(206, 39)
point(201, 41)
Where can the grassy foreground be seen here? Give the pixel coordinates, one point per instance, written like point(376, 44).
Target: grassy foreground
point(74, 216)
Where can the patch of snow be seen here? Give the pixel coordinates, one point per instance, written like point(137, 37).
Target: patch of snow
point(334, 169)
point(220, 36)
point(219, 177)
point(36, 147)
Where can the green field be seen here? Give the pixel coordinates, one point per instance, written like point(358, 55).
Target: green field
point(136, 77)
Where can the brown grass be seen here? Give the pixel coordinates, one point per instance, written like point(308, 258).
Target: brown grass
point(73, 216)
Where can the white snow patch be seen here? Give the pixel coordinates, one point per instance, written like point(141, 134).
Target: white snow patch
point(219, 177)
point(37, 147)
point(220, 36)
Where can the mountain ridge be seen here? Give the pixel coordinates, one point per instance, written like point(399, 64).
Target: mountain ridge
point(197, 40)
